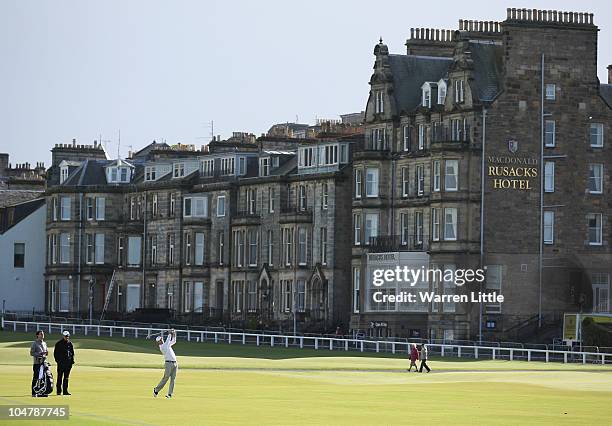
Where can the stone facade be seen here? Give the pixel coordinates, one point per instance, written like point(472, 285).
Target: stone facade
point(239, 234)
point(427, 117)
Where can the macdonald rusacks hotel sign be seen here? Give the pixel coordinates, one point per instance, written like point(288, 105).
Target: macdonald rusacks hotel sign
point(509, 172)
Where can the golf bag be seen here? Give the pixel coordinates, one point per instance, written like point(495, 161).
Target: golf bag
point(44, 383)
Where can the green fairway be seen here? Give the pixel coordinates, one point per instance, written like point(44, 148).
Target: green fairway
point(234, 384)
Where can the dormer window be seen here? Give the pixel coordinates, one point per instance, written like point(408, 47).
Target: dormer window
point(227, 166)
point(379, 139)
point(441, 92)
point(429, 94)
point(459, 91)
point(379, 107)
point(63, 174)
point(330, 155)
point(179, 170)
point(264, 166)
point(208, 167)
point(344, 153)
point(426, 97)
point(150, 173)
point(118, 174)
point(242, 166)
point(306, 157)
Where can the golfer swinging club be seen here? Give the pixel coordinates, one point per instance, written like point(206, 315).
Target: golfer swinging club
point(170, 364)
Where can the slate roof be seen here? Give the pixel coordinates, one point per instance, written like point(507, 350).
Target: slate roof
point(487, 59)
point(9, 197)
point(144, 152)
point(13, 214)
point(91, 172)
point(605, 91)
point(410, 72)
point(286, 168)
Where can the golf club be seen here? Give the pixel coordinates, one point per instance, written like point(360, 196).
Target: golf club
point(156, 334)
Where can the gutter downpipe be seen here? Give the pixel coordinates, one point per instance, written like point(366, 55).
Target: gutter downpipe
point(541, 244)
point(80, 250)
point(482, 202)
point(144, 246)
point(391, 222)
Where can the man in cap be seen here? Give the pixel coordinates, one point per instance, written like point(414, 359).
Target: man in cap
point(64, 357)
point(170, 362)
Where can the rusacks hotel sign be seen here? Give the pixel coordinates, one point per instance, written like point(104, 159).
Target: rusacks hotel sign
point(510, 172)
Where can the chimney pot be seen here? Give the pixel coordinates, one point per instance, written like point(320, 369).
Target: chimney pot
point(609, 74)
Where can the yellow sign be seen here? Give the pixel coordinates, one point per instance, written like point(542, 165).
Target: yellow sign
point(569, 326)
point(598, 319)
point(572, 324)
point(512, 172)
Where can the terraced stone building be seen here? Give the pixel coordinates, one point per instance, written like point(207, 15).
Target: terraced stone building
point(486, 147)
point(240, 233)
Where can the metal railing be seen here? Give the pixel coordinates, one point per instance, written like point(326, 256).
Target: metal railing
point(385, 243)
point(246, 214)
point(324, 343)
point(450, 134)
point(291, 209)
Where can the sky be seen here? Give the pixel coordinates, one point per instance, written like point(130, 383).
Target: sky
point(165, 70)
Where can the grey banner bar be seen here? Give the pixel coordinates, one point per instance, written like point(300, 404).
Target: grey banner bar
point(30, 412)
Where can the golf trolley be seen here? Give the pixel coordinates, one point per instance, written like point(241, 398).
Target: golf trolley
point(44, 384)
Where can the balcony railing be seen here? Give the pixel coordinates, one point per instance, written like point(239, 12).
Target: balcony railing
point(295, 210)
point(448, 134)
point(387, 243)
point(376, 144)
point(246, 214)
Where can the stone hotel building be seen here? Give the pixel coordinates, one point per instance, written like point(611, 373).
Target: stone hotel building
point(487, 146)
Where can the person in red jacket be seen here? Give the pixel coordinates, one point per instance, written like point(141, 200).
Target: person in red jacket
point(414, 357)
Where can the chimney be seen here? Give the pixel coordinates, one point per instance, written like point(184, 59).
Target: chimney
point(609, 74)
point(73, 142)
point(4, 163)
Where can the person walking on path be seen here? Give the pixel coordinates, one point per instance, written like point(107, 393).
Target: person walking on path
point(424, 359)
point(170, 363)
point(64, 358)
point(414, 356)
point(38, 352)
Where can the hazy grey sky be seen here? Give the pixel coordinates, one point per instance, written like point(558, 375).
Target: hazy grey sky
point(165, 69)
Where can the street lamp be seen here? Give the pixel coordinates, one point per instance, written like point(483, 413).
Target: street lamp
point(294, 308)
point(91, 284)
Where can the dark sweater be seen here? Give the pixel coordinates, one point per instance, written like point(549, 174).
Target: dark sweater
point(64, 352)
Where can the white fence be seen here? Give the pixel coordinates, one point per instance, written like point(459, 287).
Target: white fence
point(320, 343)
